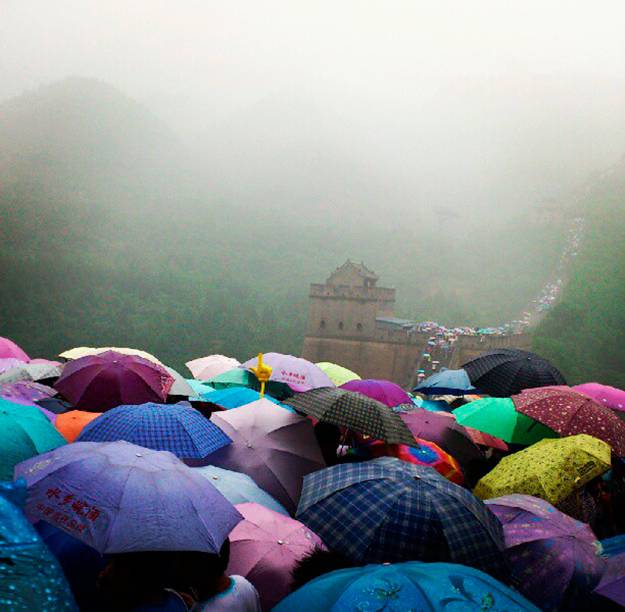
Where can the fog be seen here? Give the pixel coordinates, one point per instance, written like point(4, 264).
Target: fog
point(386, 131)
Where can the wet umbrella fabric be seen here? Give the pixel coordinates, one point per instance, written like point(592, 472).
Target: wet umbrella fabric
point(389, 510)
point(446, 382)
point(235, 397)
point(70, 424)
point(337, 374)
point(608, 396)
point(85, 351)
point(25, 392)
point(505, 372)
point(274, 447)
point(243, 378)
point(265, 547)
point(210, 366)
point(144, 499)
point(239, 488)
point(30, 371)
point(353, 411)
point(406, 586)
point(550, 469)
point(553, 556)
point(180, 386)
point(176, 428)
point(569, 413)
point(9, 349)
point(612, 584)
point(100, 382)
point(383, 391)
point(7, 363)
point(55, 405)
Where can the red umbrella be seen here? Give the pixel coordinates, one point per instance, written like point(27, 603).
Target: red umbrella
point(569, 413)
point(99, 382)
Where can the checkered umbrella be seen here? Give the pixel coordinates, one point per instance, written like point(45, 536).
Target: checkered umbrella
point(354, 411)
point(177, 428)
point(388, 510)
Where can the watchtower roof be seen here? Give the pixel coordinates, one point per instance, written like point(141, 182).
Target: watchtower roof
point(353, 269)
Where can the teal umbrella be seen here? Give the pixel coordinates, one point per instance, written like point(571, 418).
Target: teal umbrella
point(24, 432)
point(240, 377)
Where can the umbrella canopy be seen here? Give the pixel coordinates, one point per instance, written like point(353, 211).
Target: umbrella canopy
point(612, 584)
point(354, 411)
point(497, 416)
point(144, 499)
point(265, 547)
point(25, 392)
point(176, 428)
point(243, 378)
point(446, 382)
point(549, 469)
point(109, 379)
point(7, 363)
point(504, 372)
point(389, 510)
point(70, 424)
point(406, 586)
point(9, 349)
point(299, 374)
point(604, 394)
point(24, 432)
point(201, 391)
point(336, 373)
point(239, 488)
point(180, 386)
point(85, 351)
point(553, 556)
point(234, 397)
point(30, 371)
point(41, 361)
point(569, 412)
point(55, 405)
point(30, 577)
point(383, 391)
point(479, 437)
point(204, 368)
point(274, 447)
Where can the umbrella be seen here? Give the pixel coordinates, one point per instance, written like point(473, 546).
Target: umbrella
point(30, 577)
point(239, 488)
point(25, 392)
point(336, 373)
point(406, 586)
point(353, 411)
point(479, 437)
point(9, 349)
point(569, 412)
point(604, 394)
point(274, 447)
point(85, 351)
point(612, 584)
point(389, 510)
point(299, 374)
point(497, 416)
point(504, 372)
point(234, 397)
point(71, 423)
point(446, 382)
point(24, 432)
point(50, 362)
point(384, 391)
point(265, 547)
point(204, 368)
point(243, 378)
point(30, 371)
point(553, 557)
point(109, 379)
point(180, 386)
point(176, 428)
point(549, 469)
point(7, 363)
point(55, 405)
point(201, 391)
point(118, 497)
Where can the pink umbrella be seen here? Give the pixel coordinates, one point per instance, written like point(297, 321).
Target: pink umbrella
point(265, 547)
point(49, 362)
point(8, 348)
point(276, 448)
point(204, 368)
point(25, 392)
point(383, 391)
point(99, 382)
point(604, 394)
point(299, 374)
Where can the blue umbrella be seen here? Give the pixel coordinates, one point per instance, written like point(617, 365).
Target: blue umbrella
point(406, 586)
point(30, 577)
point(239, 488)
point(235, 397)
point(389, 510)
point(446, 382)
point(177, 428)
point(202, 390)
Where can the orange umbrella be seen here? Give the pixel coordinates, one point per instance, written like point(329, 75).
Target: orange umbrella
point(71, 423)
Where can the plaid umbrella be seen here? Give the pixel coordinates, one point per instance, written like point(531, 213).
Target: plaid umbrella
point(504, 372)
point(569, 412)
point(177, 428)
point(389, 510)
point(354, 411)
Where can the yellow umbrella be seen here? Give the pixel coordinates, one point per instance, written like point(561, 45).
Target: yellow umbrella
point(551, 469)
point(336, 373)
point(82, 351)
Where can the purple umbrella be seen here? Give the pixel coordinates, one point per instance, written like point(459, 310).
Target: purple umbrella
point(553, 556)
point(276, 448)
point(299, 374)
point(8, 348)
point(25, 392)
point(612, 583)
point(118, 497)
point(383, 391)
point(99, 382)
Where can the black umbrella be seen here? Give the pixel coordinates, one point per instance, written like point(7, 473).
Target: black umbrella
point(506, 372)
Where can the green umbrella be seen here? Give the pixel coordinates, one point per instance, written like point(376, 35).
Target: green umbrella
point(497, 416)
point(240, 377)
point(337, 374)
point(24, 432)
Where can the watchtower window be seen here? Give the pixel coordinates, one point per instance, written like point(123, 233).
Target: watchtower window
point(322, 324)
point(340, 324)
point(359, 326)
